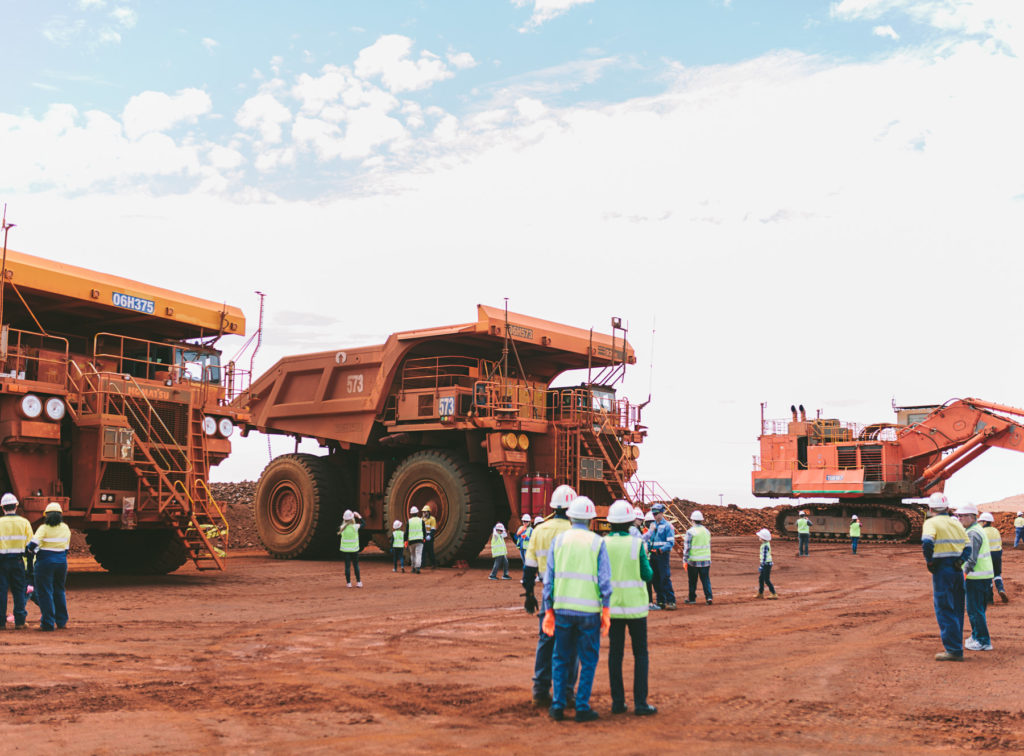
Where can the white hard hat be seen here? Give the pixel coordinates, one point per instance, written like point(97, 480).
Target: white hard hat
point(620, 512)
point(696, 516)
point(967, 508)
point(986, 517)
point(414, 510)
point(1020, 514)
point(538, 519)
point(938, 501)
point(764, 534)
point(500, 527)
point(582, 508)
point(396, 524)
point(525, 518)
point(802, 512)
point(638, 513)
point(649, 517)
point(348, 515)
point(8, 501)
point(562, 497)
point(53, 507)
point(854, 517)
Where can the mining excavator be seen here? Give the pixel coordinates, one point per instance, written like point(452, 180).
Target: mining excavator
point(873, 469)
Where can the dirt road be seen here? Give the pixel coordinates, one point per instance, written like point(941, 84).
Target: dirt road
point(279, 657)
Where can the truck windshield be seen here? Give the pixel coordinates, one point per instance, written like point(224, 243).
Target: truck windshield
point(197, 365)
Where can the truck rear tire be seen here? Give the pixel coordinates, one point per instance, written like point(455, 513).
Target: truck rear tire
point(464, 509)
point(137, 552)
point(298, 507)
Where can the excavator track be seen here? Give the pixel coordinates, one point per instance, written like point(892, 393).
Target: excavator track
point(880, 522)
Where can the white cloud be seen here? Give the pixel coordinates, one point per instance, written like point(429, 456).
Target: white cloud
point(126, 18)
point(265, 114)
point(389, 58)
point(63, 31)
point(89, 4)
point(157, 111)
point(209, 43)
point(545, 10)
point(885, 31)
point(364, 129)
point(461, 60)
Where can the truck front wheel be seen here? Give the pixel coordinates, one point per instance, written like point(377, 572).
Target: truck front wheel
point(458, 496)
point(137, 552)
point(298, 507)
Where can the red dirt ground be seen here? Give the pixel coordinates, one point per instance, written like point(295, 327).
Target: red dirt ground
point(279, 657)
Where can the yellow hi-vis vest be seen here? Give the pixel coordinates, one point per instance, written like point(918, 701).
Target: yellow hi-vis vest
point(947, 534)
point(629, 591)
point(1018, 522)
point(995, 538)
point(766, 552)
point(398, 539)
point(53, 537)
point(803, 525)
point(15, 533)
point(539, 550)
point(575, 555)
point(498, 547)
point(983, 569)
point(415, 529)
point(700, 545)
point(350, 538)
point(855, 529)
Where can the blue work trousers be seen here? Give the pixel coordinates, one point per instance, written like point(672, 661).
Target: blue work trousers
point(805, 543)
point(976, 592)
point(398, 557)
point(764, 578)
point(663, 577)
point(1018, 536)
point(428, 553)
point(577, 638)
point(948, 595)
point(616, 652)
point(542, 662)
point(692, 574)
point(50, 574)
point(500, 563)
point(853, 543)
point(13, 579)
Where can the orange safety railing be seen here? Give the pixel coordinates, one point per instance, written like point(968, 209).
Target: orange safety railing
point(27, 355)
point(440, 372)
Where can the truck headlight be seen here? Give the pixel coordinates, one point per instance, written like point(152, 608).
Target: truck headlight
point(209, 425)
point(225, 427)
point(55, 408)
point(31, 406)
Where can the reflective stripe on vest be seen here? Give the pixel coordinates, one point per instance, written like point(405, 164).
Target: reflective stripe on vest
point(803, 525)
point(398, 539)
point(947, 535)
point(995, 538)
point(983, 569)
point(700, 544)
point(53, 537)
point(629, 592)
point(766, 553)
point(854, 530)
point(575, 555)
point(498, 547)
point(415, 529)
point(349, 538)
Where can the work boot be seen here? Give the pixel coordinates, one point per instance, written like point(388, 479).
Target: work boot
point(505, 577)
point(491, 577)
point(760, 594)
point(708, 602)
point(690, 601)
point(1003, 596)
point(22, 626)
point(359, 584)
point(618, 708)
point(653, 608)
point(946, 656)
point(586, 715)
point(348, 585)
point(670, 607)
point(645, 711)
point(542, 700)
point(556, 714)
point(773, 596)
point(403, 570)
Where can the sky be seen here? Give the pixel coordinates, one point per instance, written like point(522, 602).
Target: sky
point(817, 202)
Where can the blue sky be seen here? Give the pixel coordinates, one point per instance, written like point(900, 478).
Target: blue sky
point(814, 202)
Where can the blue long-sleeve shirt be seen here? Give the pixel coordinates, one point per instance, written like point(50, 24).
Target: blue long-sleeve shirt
point(604, 577)
point(661, 536)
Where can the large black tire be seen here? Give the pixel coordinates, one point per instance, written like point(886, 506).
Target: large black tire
point(299, 506)
point(137, 552)
point(458, 493)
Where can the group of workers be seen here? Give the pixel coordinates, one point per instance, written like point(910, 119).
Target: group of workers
point(33, 564)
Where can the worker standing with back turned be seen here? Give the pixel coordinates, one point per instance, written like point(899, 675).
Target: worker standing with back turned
point(1018, 529)
point(414, 537)
point(995, 545)
point(697, 555)
point(578, 591)
point(49, 546)
point(943, 540)
point(854, 532)
point(803, 534)
point(15, 533)
point(978, 572)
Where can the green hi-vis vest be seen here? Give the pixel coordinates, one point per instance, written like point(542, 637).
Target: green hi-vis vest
point(995, 538)
point(766, 552)
point(803, 525)
point(700, 544)
point(629, 592)
point(398, 539)
point(575, 556)
point(983, 567)
point(415, 529)
point(498, 547)
point(349, 538)
point(855, 529)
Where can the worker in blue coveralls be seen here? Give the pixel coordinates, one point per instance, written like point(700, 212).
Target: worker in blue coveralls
point(15, 533)
point(661, 538)
point(943, 541)
point(578, 591)
point(49, 547)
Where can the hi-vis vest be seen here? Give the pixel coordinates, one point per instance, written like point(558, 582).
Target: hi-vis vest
point(575, 555)
point(349, 538)
point(1018, 522)
point(398, 539)
point(629, 591)
point(947, 534)
point(995, 538)
point(415, 529)
point(855, 529)
point(983, 567)
point(700, 545)
point(15, 533)
point(539, 548)
point(498, 547)
point(55, 539)
point(766, 552)
point(803, 525)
